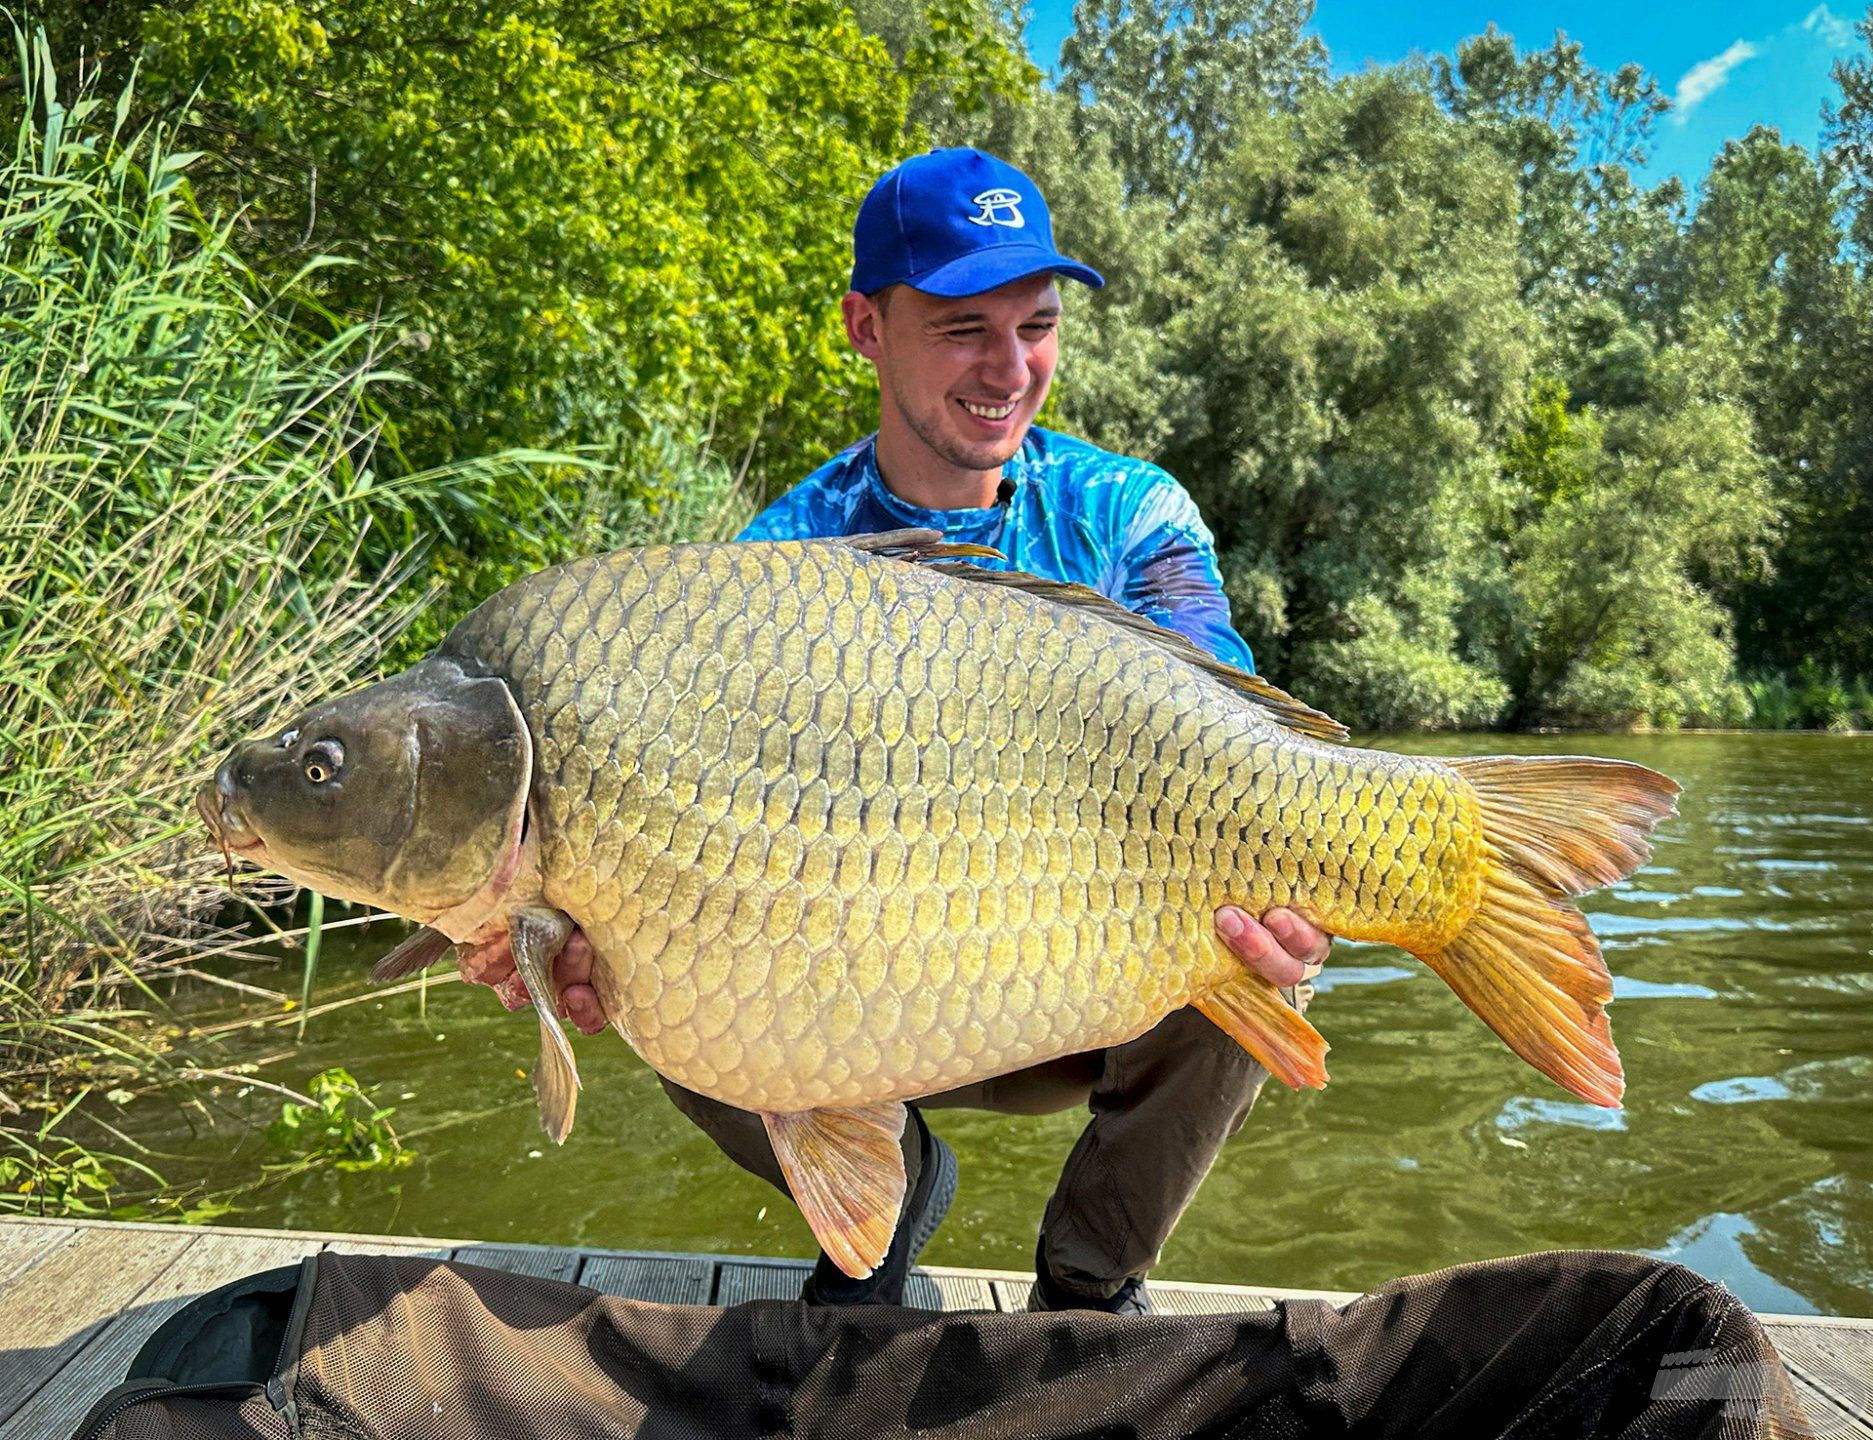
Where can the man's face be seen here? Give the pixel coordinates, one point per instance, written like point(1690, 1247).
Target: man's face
point(966, 375)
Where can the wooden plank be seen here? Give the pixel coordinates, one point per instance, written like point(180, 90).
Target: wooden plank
point(1011, 1296)
point(73, 1293)
point(1828, 1420)
point(387, 1245)
point(1207, 1300)
point(1173, 1298)
point(665, 1280)
point(545, 1261)
point(24, 1246)
point(212, 1261)
point(961, 1290)
point(1836, 1360)
point(738, 1281)
point(1829, 1322)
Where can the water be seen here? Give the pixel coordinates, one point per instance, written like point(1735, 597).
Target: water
point(1745, 990)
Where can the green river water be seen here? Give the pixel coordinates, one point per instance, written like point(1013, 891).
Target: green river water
point(1743, 961)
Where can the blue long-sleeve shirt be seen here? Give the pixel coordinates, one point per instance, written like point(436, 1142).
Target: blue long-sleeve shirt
point(1076, 512)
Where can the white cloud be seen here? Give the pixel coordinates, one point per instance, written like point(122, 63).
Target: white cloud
point(1707, 77)
point(1834, 32)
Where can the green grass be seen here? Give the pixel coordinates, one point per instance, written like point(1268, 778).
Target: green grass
point(188, 489)
point(1814, 698)
point(204, 523)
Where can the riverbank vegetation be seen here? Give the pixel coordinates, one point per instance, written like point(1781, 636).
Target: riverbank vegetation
point(322, 321)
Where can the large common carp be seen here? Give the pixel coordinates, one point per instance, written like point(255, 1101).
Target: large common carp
point(853, 822)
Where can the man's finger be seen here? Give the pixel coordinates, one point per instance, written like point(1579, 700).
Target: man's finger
point(1299, 936)
point(573, 964)
point(580, 1005)
point(1257, 948)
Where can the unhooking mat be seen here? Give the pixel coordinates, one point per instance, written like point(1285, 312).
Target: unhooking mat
point(1567, 1344)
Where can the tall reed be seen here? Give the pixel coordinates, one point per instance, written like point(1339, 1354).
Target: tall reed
point(187, 484)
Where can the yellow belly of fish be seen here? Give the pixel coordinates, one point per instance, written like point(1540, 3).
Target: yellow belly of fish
point(843, 963)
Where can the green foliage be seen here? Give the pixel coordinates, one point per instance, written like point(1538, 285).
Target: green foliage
point(1588, 234)
point(1816, 699)
point(1394, 680)
point(1766, 281)
point(339, 1125)
point(1322, 342)
point(593, 225)
point(583, 214)
point(1477, 449)
point(1167, 82)
point(190, 484)
point(1605, 519)
point(43, 1171)
point(190, 497)
point(67, 1181)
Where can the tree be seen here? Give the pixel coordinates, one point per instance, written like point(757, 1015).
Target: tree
point(1767, 279)
point(1606, 526)
point(582, 212)
point(1573, 135)
point(1165, 83)
point(1322, 341)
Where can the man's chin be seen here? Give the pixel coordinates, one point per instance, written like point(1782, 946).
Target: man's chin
point(976, 455)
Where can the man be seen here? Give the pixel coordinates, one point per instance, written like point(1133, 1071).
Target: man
point(953, 300)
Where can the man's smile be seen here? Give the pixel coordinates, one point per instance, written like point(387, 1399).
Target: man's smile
point(991, 412)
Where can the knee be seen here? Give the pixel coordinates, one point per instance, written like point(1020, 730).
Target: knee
point(707, 1113)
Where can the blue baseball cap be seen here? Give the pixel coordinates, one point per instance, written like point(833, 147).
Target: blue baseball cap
point(956, 222)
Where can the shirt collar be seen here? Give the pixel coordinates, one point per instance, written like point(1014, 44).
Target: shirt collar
point(1021, 468)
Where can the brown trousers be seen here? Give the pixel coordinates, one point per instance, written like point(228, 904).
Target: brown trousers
point(1162, 1106)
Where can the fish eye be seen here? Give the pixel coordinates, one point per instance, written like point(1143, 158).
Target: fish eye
point(289, 739)
point(324, 760)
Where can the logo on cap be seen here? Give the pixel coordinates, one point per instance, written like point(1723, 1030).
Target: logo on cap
point(993, 203)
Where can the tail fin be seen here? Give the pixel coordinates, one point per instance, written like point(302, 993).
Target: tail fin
point(1526, 961)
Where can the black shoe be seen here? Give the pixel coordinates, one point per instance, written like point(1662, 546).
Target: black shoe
point(929, 1203)
point(1131, 1298)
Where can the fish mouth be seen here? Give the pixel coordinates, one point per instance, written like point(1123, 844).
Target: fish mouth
point(231, 837)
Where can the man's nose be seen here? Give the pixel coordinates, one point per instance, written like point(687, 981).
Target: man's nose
point(1005, 367)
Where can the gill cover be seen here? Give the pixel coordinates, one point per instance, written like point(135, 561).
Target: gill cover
point(473, 767)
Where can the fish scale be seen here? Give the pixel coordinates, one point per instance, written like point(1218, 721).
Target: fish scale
point(977, 832)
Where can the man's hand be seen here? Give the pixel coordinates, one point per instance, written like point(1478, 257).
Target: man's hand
point(1281, 947)
point(493, 965)
point(572, 977)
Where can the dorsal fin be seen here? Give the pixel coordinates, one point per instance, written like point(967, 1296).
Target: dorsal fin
point(918, 545)
point(927, 547)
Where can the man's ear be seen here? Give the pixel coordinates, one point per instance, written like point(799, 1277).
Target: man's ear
point(864, 322)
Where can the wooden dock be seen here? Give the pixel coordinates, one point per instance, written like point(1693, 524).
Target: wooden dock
point(78, 1298)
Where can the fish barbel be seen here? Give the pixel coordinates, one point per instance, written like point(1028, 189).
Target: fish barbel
point(853, 822)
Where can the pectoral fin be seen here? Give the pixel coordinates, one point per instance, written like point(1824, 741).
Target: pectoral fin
point(1250, 1011)
point(846, 1171)
point(538, 934)
point(418, 952)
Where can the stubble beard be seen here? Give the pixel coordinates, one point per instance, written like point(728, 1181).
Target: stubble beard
point(951, 449)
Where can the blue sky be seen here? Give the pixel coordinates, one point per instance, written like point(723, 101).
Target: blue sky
point(1730, 66)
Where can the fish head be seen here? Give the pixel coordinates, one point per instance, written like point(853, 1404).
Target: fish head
point(409, 794)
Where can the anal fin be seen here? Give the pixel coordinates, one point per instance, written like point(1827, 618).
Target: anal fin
point(845, 1168)
point(538, 934)
point(1250, 1011)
